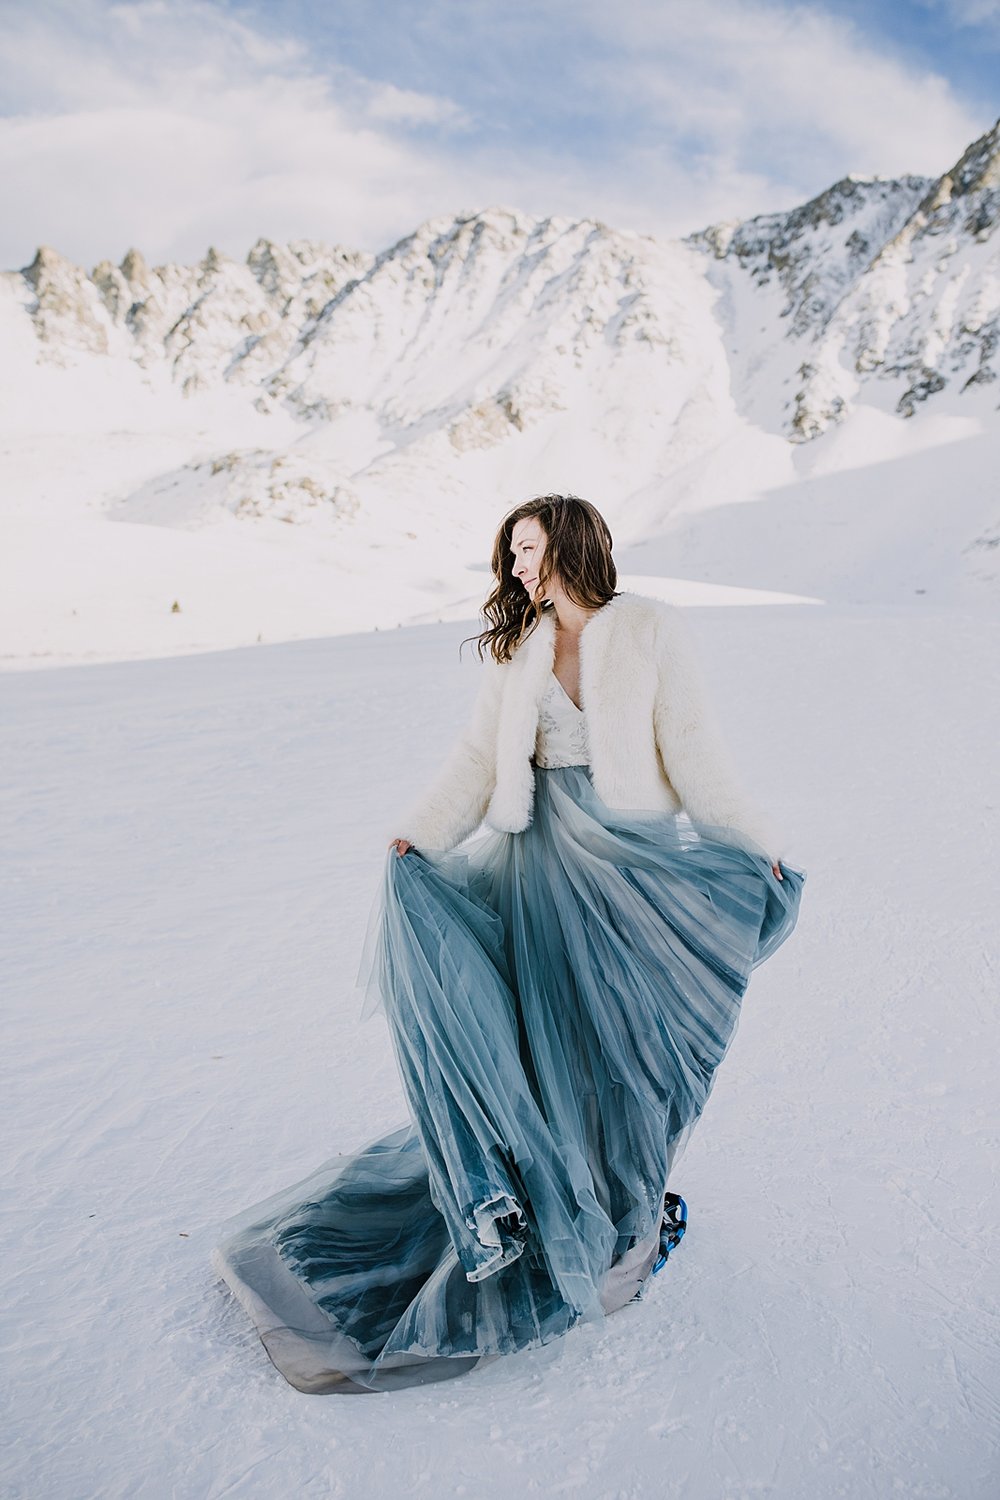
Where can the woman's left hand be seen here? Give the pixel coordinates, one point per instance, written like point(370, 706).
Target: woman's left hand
point(776, 869)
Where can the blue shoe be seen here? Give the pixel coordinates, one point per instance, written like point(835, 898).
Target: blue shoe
point(672, 1230)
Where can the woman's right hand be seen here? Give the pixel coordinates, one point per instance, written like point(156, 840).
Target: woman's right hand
point(400, 845)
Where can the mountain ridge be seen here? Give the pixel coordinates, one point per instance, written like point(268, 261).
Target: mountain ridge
point(314, 411)
point(839, 260)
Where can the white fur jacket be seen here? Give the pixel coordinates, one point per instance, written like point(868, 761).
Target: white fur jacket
point(654, 743)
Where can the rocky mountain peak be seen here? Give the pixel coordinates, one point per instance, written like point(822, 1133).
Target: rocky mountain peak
point(67, 312)
point(969, 191)
point(48, 265)
point(135, 269)
point(979, 167)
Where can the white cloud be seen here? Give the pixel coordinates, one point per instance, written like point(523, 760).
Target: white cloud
point(387, 102)
point(178, 126)
point(172, 126)
point(969, 12)
point(795, 87)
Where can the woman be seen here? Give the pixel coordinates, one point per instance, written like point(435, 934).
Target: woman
point(560, 992)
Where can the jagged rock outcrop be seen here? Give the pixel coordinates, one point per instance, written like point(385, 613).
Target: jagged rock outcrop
point(290, 486)
point(893, 281)
point(66, 309)
point(816, 252)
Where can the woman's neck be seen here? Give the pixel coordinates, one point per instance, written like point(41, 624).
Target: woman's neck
point(570, 618)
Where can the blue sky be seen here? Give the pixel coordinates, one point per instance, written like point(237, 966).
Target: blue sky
point(175, 124)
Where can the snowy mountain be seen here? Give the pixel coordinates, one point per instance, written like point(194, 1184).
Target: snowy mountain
point(462, 335)
point(894, 284)
point(900, 277)
point(321, 438)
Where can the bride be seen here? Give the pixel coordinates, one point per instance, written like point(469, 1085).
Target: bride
point(560, 991)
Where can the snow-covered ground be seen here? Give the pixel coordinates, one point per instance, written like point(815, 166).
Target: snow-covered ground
point(791, 427)
point(191, 847)
point(871, 511)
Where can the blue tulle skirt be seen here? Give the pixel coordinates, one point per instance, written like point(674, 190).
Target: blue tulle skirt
point(559, 1001)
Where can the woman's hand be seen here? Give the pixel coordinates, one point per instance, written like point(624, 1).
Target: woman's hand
point(776, 869)
point(400, 845)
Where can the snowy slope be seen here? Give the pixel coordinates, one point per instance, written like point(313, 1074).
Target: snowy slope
point(889, 291)
point(191, 848)
point(321, 440)
point(360, 481)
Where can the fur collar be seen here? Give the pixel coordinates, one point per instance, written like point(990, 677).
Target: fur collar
point(542, 640)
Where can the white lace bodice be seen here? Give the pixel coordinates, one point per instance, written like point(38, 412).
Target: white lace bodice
point(562, 729)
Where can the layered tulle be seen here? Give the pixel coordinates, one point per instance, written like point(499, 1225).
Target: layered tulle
point(559, 1001)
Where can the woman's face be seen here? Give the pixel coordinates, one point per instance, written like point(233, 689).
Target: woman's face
point(527, 544)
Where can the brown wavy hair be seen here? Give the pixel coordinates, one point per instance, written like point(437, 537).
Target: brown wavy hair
point(577, 551)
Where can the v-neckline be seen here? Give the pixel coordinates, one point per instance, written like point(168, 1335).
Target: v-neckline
point(567, 696)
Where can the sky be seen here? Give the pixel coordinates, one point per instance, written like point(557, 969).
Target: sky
point(175, 125)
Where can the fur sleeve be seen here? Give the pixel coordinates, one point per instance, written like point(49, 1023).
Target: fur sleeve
point(691, 747)
point(454, 804)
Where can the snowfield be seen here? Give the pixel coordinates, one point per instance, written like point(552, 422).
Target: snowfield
point(245, 519)
point(191, 849)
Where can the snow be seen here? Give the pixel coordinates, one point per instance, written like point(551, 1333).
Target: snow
point(308, 456)
point(316, 441)
point(191, 848)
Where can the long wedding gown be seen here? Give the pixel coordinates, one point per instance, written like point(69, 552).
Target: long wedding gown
point(559, 1000)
